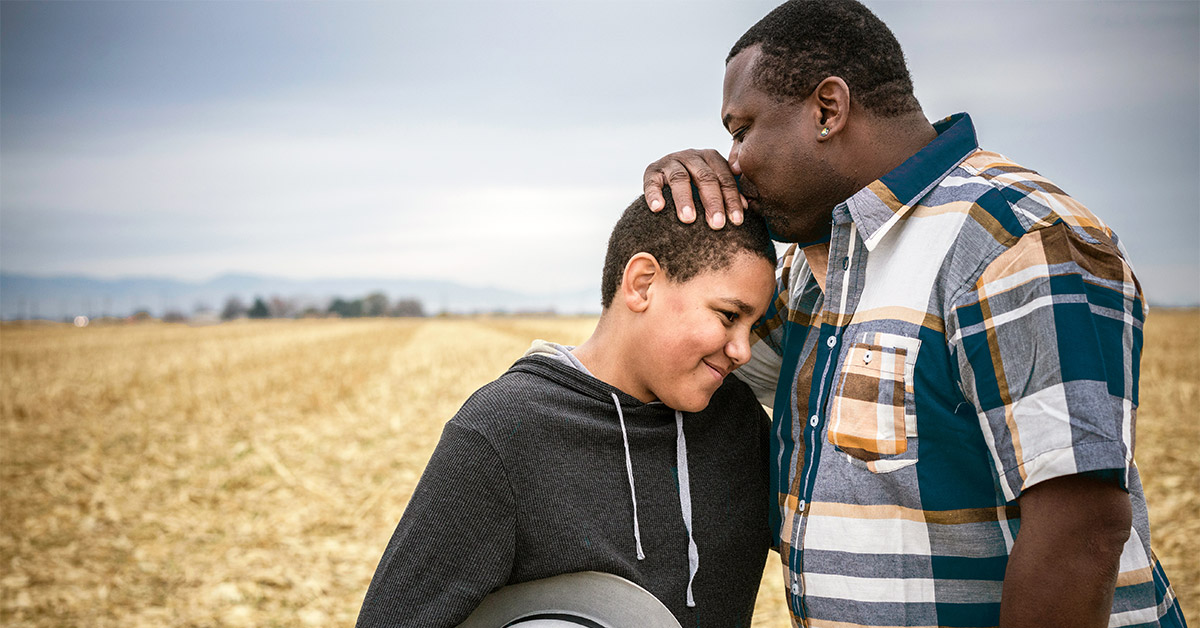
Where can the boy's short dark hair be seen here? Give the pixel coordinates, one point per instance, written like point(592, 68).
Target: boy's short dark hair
point(806, 41)
point(683, 250)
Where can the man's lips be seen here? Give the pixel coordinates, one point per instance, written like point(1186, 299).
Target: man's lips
point(746, 188)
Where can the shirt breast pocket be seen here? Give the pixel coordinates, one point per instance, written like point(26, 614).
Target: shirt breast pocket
point(873, 414)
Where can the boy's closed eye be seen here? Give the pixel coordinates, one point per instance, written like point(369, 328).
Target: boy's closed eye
point(733, 309)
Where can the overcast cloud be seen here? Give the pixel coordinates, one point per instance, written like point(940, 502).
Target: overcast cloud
point(495, 143)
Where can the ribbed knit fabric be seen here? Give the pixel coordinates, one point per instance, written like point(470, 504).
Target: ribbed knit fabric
point(530, 480)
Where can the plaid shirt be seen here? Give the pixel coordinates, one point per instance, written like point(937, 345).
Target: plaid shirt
point(980, 332)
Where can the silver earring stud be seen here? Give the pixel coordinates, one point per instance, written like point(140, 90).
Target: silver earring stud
point(825, 132)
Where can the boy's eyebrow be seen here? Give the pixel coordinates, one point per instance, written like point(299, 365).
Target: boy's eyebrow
point(741, 305)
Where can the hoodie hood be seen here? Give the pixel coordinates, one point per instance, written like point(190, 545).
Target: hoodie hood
point(559, 353)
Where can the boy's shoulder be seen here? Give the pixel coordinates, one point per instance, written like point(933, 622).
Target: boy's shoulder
point(734, 391)
point(734, 404)
point(527, 385)
point(537, 390)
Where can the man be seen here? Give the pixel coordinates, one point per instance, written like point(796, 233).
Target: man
point(955, 342)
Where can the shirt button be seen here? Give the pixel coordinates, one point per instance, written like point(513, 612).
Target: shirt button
point(800, 506)
point(795, 588)
point(831, 341)
point(867, 358)
point(812, 420)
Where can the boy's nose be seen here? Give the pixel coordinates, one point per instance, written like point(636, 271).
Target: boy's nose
point(734, 166)
point(738, 349)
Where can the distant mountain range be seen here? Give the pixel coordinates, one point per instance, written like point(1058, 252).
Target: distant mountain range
point(26, 296)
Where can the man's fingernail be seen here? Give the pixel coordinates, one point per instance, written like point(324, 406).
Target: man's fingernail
point(735, 216)
point(655, 205)
point(687, 214)
point(718, 221)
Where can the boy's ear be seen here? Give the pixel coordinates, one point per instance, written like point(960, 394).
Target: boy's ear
point(641, 271)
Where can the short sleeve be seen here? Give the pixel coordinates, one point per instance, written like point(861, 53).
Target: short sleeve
point(1047, 344)
point(761, 372)
point(454, 544)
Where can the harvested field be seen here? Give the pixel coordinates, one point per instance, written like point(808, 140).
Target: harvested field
point(250, 474)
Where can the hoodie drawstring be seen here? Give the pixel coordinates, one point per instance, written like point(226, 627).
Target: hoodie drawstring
point(637, 535)
point(685, 494)
point(685, 503)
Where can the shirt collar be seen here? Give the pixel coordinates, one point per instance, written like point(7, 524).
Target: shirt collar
point(880, 205)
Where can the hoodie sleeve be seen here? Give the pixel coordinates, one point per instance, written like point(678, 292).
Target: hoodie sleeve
point(454, 544)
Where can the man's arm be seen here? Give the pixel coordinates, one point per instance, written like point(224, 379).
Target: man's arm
point(761, 373)
point(1063, 568)
point(1047, 342)
point(766, 352)
point(709, 172)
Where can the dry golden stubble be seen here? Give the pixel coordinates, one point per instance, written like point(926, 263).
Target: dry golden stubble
point(250, 474)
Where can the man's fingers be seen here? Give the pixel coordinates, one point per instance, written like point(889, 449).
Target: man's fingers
point(718, 190)
point(710, 175)
point(735, 204)
point(680, 182)
point(652, 184)
point(708, 185)
point(668, 171)
point(705, 171)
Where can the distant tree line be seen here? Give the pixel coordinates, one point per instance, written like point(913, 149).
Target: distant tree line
point(375, 304)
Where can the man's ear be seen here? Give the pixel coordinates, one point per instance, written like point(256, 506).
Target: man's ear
point(641, 271)
point(832, 98)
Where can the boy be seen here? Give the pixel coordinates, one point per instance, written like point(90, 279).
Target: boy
point(632, 454)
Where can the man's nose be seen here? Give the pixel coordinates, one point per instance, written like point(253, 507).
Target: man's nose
point(734, 153)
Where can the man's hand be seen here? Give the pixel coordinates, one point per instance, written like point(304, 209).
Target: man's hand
point(709, 172)
point(1064, 563)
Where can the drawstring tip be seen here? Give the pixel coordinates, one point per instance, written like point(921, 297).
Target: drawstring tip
point(637, 535)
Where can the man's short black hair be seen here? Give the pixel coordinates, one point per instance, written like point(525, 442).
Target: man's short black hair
point(806, 41)
point(684, 250)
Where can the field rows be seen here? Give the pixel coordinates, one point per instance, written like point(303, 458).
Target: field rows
point(249, 474)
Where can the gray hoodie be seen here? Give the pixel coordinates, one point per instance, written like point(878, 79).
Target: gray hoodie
point(548, 470)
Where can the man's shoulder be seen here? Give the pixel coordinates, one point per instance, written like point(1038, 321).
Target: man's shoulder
point(1017, 225)
point(1011, 200)
point(1002, 205)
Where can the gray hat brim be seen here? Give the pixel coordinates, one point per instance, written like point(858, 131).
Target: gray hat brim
point(586, 598)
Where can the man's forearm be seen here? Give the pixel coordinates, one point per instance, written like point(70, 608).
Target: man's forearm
point(1050, 585)
point(1064, 564)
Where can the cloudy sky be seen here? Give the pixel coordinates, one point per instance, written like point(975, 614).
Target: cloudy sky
point(496, 142)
